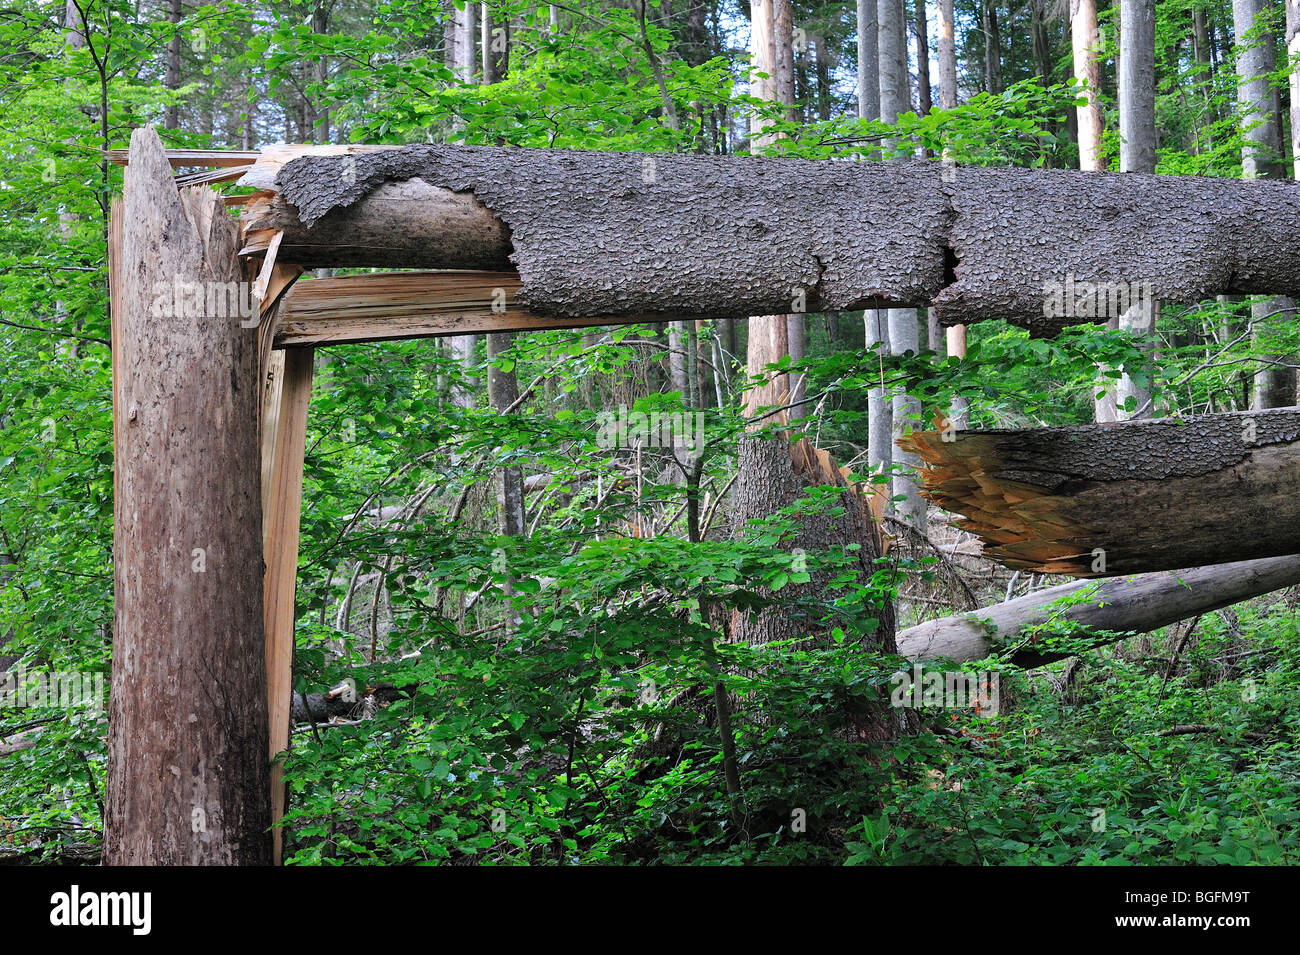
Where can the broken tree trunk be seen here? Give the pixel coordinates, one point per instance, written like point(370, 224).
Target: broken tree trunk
point(188, 774)
point(1124, 498)
point(1114, 609)
point(598, 234)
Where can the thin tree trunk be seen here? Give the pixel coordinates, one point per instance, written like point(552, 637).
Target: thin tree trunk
point(923, 94)
point(1261, 156)
point(1293, 55)
point(992, 47)
point(947, 57)
point(868, 61)
point(1087, 70)
point(172, 76)
point(1137, 129)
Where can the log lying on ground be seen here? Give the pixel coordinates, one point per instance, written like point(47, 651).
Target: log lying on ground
point(1114, 609)
point(1125, 498)
point(597, 234)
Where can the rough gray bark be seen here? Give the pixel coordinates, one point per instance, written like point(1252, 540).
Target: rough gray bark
point(1132, 497)
point(730, 237)
point(1115, 609)
point(188, 776)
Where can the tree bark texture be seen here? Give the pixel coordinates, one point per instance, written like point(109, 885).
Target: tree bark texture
point(188, 774)
point(726, 237)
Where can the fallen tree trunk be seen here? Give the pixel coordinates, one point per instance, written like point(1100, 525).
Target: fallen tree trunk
point(602, 234)
point(1124, 498)
point(1032, 630)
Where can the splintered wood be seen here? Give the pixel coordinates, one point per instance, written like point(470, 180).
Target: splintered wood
point(1017, 522)
point(1127, 498)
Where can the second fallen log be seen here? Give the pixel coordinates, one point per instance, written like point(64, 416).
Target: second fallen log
point(1067, 619)
point(1126, 498)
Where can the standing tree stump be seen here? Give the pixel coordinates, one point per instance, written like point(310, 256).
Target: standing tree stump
point(188, 775)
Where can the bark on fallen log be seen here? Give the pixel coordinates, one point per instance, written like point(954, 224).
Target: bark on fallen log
point(598, 234)
point(1115, 608)
point(1125, 498)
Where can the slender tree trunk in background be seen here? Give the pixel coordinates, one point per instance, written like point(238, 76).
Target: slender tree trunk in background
point(1087, 70)
point(923, 95)
point(959, 412)
point(465, 56)
point(796, 328)
point(876, 321)
point(503, 392)
point(762, 60)
point(992, 47)
point(893, 79)
point(1204, 77)
point(868, 61)
point(1084, 40)
point(783, 39)
point(880, 411)
point(489, 56)
point(1261, 156)
point(903, 332)
point(320, 71)
point(463, 348)
point(947, 57)
point(1257, 96)
point(904, 337)
point(1293, 56)
point(677, 340)
point(705, 336)
point(824, 90)
point(1200, 40)
point(172, 77)
point(1041, 42)
point(1137, 130)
